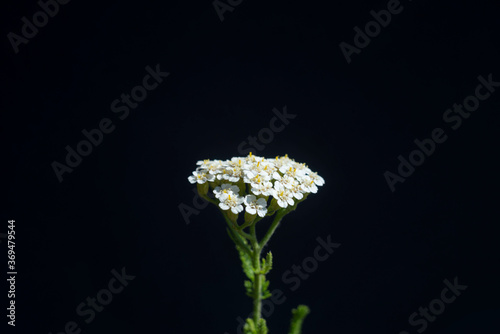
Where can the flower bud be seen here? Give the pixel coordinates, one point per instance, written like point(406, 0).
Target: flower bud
point(213, 184)
point(242, 186)
point(249, 217)
point(202, 188)
point(232, 216)
point(273, 207)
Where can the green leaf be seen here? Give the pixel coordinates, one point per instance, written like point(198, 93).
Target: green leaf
point(249, 288)
point(265, 289)
point(267, 263)
point(298, 316)
point(250, 327)
point(262, 326)
point(246, 263)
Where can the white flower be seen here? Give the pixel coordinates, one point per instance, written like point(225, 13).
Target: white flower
point(226, 189)
point(254, 205)
point(201, 177)
point(264, 188)
point(282, 161)
point(297, 191)
point(283, 196)
point(233, 202)
point(235, 174)
point(302, 168)
point(204, 163)
point(225, 173)
point(318, 180)
point(308, 185)
point(255, 179)
point(253, 158)
point(282, 178)
point(292, 171)
point(287, 181)
point(215, 167)
point(238, 162)
point(262, 168)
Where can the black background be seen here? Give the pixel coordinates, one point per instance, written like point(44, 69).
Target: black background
point(120, 206)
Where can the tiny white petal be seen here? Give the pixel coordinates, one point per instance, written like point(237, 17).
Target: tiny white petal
point(250, 210)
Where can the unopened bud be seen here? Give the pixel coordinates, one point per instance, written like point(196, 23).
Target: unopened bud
point(202, 188)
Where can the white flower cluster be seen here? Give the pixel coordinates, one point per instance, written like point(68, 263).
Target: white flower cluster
point(282, 178)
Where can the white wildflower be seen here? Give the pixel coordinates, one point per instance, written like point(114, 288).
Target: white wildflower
point(297, 191)
point(226, 189)
point(233, 202)
point(283, 196)
point(201, 177)
point(264, 188)
point(308, 185)
point(254, 205)
point(245, 178)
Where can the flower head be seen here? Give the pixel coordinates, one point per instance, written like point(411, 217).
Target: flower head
point(254, 181)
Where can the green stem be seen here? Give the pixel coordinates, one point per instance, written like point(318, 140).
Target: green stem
point(237, 237)
point(236, 228)
point(211, 200)
point(249, 237)
point(257, 249)
point(272, 228)
point(257, 288)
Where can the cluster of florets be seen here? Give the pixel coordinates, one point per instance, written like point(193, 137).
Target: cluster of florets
point(251, 180)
